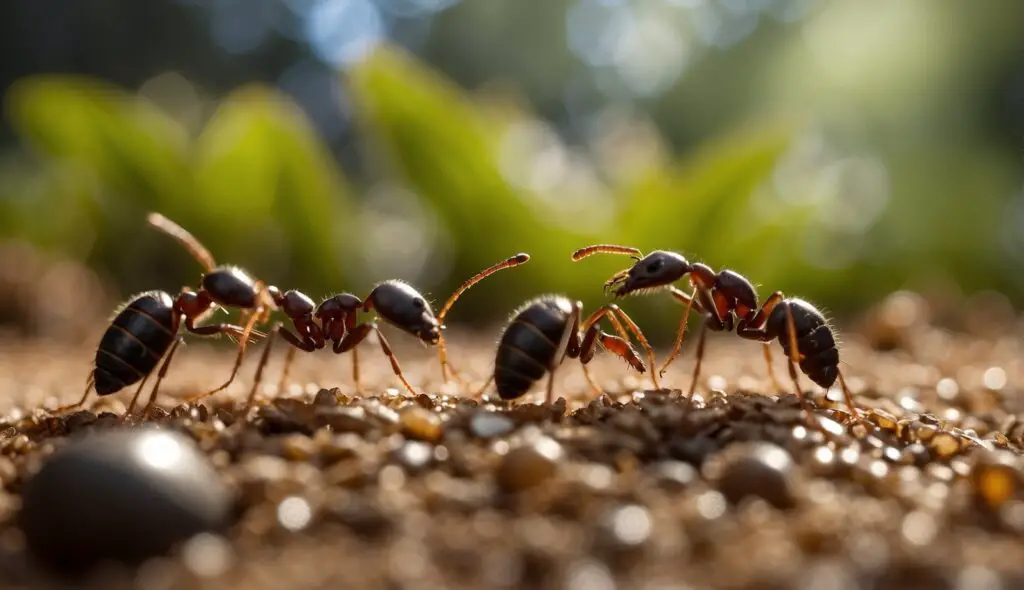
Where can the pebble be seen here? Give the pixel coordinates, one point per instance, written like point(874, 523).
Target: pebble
point(764, 470)
point(121, 496)
point(995, 479)
point(490, 425)
point(529, 465)
point(421, 423)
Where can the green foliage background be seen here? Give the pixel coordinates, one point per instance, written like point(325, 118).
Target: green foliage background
point(258, 187)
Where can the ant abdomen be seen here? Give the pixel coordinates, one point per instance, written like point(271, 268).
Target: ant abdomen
point(529, 344)
point(818, 354)
point(133, 344)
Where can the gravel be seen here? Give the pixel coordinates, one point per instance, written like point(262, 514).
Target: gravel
point(735, 489)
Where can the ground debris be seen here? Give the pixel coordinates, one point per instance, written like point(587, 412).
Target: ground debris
point(639, 488)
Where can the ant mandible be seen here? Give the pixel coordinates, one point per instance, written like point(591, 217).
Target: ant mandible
point(396, 302)
point(729, 301)
point(547, 329)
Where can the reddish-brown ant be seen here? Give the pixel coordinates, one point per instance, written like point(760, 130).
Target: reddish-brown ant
point(729, 301)
point(396, 302)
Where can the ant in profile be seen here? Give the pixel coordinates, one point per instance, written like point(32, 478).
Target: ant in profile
point(146, 328)
point(547, 329)
point(396, 302)
point(729, 301)
point(223, 286)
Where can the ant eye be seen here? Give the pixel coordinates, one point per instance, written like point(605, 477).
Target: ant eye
point(418, 303)
point(654, 266)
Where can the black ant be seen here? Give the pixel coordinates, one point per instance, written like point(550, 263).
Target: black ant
point(220, 286)
point(145, 329)
point(545, 330)
point(729, 301)
point(397, 302)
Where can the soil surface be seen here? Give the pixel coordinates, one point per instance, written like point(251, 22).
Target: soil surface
point(736, 488)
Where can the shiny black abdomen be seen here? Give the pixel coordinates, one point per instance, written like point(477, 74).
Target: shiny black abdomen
point(529, 344)
point(814, 338)
point(231, 286)
point(137, 338)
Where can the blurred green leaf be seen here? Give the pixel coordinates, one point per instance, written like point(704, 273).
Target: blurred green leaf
point(448, 152)
point(130, 144)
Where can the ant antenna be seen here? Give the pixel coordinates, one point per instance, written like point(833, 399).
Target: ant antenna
point(606, 249)
point(183, 237)
point(521, 258)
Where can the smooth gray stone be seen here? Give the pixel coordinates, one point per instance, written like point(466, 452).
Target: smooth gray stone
point(121, 496)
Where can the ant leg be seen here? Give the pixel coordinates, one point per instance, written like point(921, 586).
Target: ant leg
point(617, 311)
point(701, 341)
point(81, 401)
point(767, 347)
point(243, 340)
point(677, 346)
point(568, 345)
point(794, 349)
point(585, 351)
point(355, 371)
point(288, 360)
point(159, 379)
point(849, 398)
point(521, 258)
point(138, 391)
point(277, 329)
point(616, 345)
point(480, 392)
point(304, 343)
point(754, 329)
point(353, 338)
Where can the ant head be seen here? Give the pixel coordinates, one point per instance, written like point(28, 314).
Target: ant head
point(401, 305)
point(658, 269)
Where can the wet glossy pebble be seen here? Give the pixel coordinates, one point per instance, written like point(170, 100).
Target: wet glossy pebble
point(121, 496)
point(761, 469)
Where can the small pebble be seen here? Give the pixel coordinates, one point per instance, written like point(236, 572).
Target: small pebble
point(764, 470)
point(529, 465)
point(486, 424)
point(421, 423)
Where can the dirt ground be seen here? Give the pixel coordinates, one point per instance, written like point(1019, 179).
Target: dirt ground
point(634, 489)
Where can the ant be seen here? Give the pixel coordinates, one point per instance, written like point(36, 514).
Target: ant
point(729, 301)
point(221, 286)
point(145, 329)
point(547, 329)
point(396, 302)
